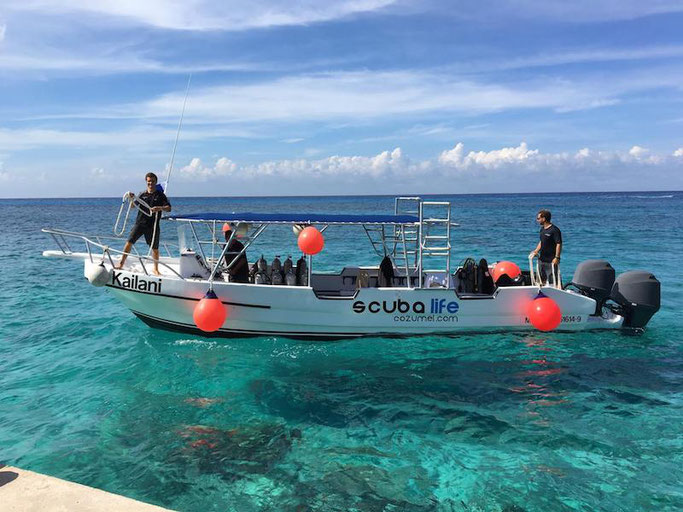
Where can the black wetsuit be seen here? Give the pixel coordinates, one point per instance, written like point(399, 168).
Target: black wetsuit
point(239, 272)
point(145, 225)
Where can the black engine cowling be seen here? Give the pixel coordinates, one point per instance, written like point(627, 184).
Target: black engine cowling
point(638, 293)
point(594, 278)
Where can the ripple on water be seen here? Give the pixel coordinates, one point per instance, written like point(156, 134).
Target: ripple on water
point(506, 422)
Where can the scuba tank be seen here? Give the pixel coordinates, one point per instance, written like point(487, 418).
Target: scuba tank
point(276, 276)
point(261, 264)
point(288, 264)
point(301, 272)
point(288, 269)
point(261, 277)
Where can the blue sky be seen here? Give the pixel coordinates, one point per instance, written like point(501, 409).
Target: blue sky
point(340, 97)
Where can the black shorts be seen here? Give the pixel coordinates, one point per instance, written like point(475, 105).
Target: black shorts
point(145, 229)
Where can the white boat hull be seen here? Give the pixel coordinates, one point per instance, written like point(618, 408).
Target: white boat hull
point(295, 311)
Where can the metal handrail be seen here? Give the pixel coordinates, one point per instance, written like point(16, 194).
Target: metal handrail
point(535, 273)
point(60, 237)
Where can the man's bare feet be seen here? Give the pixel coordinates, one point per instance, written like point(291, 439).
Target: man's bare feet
point(119, 266)
point(156, 272)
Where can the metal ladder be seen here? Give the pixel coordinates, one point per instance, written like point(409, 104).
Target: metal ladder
point(435, 235)
point(407, 255)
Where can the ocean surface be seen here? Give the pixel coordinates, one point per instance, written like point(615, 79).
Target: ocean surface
point(497, 422)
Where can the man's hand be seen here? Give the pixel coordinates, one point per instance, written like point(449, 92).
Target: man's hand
point(156, 209)
point(556, 261)
point(533, 254)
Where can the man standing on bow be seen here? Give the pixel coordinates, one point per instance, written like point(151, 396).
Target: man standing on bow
point(147, 222)
point(549, 247)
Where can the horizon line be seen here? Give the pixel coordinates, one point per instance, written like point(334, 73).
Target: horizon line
point(367, 195)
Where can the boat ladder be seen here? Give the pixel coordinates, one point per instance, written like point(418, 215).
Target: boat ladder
point(435, 236)
point(407, 254)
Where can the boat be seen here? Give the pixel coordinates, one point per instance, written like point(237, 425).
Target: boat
point(414, 291)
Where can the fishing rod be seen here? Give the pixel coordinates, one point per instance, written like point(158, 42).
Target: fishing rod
point(157, 215)
point(177, 135)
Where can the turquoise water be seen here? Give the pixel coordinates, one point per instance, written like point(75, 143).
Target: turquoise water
point(505, 422)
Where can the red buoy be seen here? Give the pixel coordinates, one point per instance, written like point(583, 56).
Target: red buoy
point(505, 267)
point(310, 241)
point(209, 313)
point(544, 313)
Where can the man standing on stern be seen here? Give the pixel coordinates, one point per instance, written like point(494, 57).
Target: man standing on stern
point(147, 222)
point(549, 247)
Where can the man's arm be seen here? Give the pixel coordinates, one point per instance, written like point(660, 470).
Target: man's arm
point(558, 246)
point(558, 251)
point(535, 251)
point(165, 208)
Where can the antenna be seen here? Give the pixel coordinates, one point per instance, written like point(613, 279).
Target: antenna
point(177, 135)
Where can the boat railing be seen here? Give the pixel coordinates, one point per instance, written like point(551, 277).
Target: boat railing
point(535, 273)
point(93, 248)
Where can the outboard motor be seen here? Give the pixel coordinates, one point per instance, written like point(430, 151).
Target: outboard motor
point(638, 293)
point(594, 279)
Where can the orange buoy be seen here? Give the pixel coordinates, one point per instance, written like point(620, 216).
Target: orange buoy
point(209, 313)
point(544, 313)
point(311, 241)
point(505, 267)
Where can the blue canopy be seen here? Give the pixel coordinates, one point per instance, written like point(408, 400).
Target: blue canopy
point(297, 218)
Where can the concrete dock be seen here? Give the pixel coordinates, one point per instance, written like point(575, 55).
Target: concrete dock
point(26, 491)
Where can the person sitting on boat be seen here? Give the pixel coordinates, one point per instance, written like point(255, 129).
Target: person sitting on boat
point(147, 222)
point(549, 247)
point(239, 271)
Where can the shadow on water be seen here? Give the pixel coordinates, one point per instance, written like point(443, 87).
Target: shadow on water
point(342, 391)
point(330, 426)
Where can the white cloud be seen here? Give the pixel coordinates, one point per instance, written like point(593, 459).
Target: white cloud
point(678, 152)
point(586, 11)
point(205, 14)
point(637, 152)
point(14, 140)
point(73, 60)
point(195, 170)
point(576, 56)
point(508, 169)
point(490, 159)
point(394, 167)
point(364, 95)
